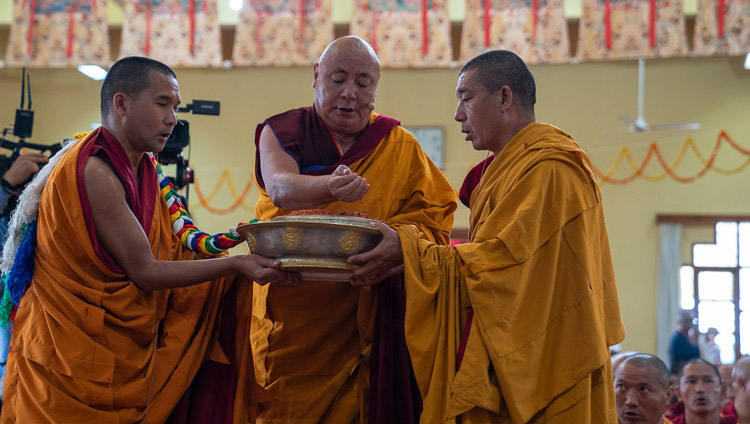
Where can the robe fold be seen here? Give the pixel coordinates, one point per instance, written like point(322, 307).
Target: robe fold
point(88, 344)
point(537, 281)
point(313, 344)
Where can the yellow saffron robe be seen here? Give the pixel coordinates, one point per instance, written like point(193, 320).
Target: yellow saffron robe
point(85, 346)
point(538, 275)
point(311, 343)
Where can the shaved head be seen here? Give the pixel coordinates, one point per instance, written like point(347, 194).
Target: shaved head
point(644, 360)
point(741, 369)
point(347, 45)
point(701, 361)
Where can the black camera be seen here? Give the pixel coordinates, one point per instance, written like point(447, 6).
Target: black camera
point(180, 139)
point(22, 128)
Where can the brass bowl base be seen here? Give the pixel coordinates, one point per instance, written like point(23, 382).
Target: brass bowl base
point(319, 269)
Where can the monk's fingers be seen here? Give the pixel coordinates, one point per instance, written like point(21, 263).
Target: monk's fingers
point(337, 182)
point(265, 262)
point(370, 269)
point(365, 257)
point(342, 170)
point(361, 190)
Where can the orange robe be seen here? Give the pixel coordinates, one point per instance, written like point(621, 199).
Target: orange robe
point(536, 286)
point(311, 343)
point(89, 346)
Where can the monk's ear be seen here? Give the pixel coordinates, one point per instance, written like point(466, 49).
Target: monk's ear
point(670, 392)
point(504, 98)
point(679, 393)
point(120, 104)
point(315, 74)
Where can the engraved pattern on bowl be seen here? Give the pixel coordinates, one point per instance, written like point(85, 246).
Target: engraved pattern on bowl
point(349, 242)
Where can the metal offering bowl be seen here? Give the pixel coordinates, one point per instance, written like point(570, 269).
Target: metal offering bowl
point(316, 246)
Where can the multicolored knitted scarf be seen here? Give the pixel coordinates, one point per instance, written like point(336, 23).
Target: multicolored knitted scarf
point(193, 238)
point(18, 278)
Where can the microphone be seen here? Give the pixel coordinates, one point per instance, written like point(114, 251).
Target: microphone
point(371, 106)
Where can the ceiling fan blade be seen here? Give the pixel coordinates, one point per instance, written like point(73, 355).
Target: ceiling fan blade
point(627, 120)
point(675, 127)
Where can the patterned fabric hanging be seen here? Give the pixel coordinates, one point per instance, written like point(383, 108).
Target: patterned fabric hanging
point(282, 32)
point(628, 29)
point(536, 30)
point(58, 33)
point(176, 32)
point(722, 27)
point(405, 33)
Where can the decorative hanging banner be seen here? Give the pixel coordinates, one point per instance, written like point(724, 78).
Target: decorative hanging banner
point(176, 32)
point(536, 30)
point(58, 33)
point(405, 33)
point(288, 32)
point(722, 27)
point(629, 29)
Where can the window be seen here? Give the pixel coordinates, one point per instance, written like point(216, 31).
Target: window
point(717, 287)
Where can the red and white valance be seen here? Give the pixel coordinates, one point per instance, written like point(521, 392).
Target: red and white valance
point(58, 33)
point(536, 30)
point(273, 32)
point(176, 32)
point(627, 29)
point(405, 33)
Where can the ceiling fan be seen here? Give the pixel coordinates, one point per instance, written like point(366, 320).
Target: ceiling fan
point(639, 124)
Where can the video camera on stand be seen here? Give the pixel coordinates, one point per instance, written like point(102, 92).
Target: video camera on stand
point(22, 128)
point(180, 139)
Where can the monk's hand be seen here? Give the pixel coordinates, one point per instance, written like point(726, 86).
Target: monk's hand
point(266, 271)
point(385, 260)
point(346, 185)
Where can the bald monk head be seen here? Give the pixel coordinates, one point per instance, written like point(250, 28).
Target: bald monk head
point(641, 389)
point(725, 371)
point(345, 80)
point(741, 386)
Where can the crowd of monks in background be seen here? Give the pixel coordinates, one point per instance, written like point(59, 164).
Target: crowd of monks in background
point(696, 389)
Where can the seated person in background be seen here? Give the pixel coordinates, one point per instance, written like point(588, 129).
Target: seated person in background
point(700, 390)
point(642, 390)
point(120, 316)
point(741, 384)
point(316, 346)
point(727, 400)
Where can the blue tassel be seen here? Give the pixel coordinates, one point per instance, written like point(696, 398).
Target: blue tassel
point(23, 267)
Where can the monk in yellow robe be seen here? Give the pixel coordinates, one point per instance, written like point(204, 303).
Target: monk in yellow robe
point(515, 325)
point(117, 320)
point(316, 345)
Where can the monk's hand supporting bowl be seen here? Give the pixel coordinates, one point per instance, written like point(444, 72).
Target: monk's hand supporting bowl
point(264, 271)
point(346, 185)
point(383, 261)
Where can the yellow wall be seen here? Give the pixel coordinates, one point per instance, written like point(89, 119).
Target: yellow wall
point(585, 100)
